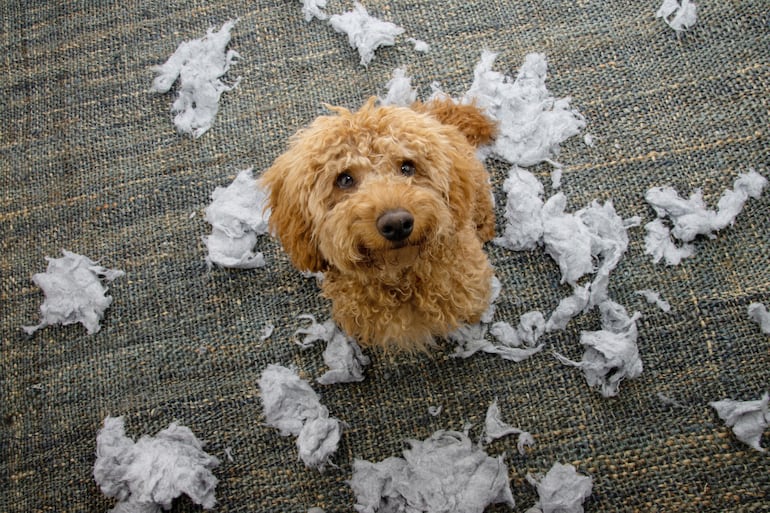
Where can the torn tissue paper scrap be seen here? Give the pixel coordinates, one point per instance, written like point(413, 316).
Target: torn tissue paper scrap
point(237, 215)
point(149, 474)
point(73, 292)
point(343, 356)
point(198, 64)
point(445, 472)
point(365, 33)
point(562, 490)
point(292, 406)
point(748, 419)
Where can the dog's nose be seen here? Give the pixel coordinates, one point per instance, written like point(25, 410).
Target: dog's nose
point(395, 225)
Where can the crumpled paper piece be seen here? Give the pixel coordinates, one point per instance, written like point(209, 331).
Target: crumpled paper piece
point(198, 64)
point(654, 298)
point(292, 407)
point(314, 9)
point(446, 472)
point(73, 292)
point(690, 217)
point(611, 354)
point(562, 490)
point(680, 15)
point(343, 356)
point(759, 314)
point(523, 211)
point(400, 91)
point(365, 33)
point(748, 419)
point(531, 122)
point(495, 428)
point(237, 216)
point(153, 471)
point(514, 344)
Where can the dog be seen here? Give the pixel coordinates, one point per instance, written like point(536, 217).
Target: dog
point(393, 206)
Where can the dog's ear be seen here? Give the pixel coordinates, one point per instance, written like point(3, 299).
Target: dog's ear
point(469, 119)
point(289, 216)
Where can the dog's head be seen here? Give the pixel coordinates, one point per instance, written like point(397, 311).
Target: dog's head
point(354, 187)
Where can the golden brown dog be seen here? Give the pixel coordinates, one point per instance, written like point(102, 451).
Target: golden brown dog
point(393, 206)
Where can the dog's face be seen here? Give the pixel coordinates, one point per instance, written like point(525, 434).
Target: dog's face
point(371, 189)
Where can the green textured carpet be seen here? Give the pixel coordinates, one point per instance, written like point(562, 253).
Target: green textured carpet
point(91, 162)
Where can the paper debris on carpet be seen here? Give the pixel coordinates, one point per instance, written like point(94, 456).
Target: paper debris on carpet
point(568, 308)
point(445, 472)
point(149, 474)
point(691, 218)
point(419, 45)
point(343, 356)
point(73, 292)
point(237, 216)
point(654, 298)
point(314, 9)
point(531, 123)
point(611, 354)
point(523, 211)
point(748, 419)
point(759, 314)
point(291, 406)
point(680, 15)
point(198, 64)
point(514, 344)
point(365, 33)
point(400, 91)
point(495, 428)
point(562, 490)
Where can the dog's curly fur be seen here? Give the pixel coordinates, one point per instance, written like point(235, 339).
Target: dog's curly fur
point(344, 171)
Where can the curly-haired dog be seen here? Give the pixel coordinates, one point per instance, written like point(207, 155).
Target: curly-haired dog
point(393, 206)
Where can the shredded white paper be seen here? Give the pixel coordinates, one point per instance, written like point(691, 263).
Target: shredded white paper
point(292, 407)
point(562, 490)
point(419, 45)
point(680, 15)
point(342, 355)
point(569, 308)
point(73, 292)
point(748, 419)
point(514, 344)
point(654, 298)
point(445, 472)
point(400, 90)
point(365, 33)
point(531, 122)
point(611, 354)
point(237, 215)
point(153, 471)
point(314, 9)
point(759, 314)
point(198, 64)
point(691, 218)
point(523, 211)
point(495, 428)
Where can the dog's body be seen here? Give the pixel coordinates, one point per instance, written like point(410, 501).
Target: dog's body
point(393, 206)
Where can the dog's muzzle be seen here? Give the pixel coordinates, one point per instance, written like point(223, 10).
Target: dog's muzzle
point(395, 225)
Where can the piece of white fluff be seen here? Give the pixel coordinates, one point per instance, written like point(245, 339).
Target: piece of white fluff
point(531, 123)
point(748, 419)
point(237, 215)
point(445, 472)
point(568, 308)
point(495, 428)
point(759, 314)
point(400, 91)
point(419, 45)
point(153, 471)
point(291, 406)
point(611, 354)
point(690, 217)
point(523, 211)
point(562, 490)
point(198, 64)
point(342, 355)
point(314, 9)
point(680, 15)
point(654, 298)
point(365, 33)
point(514, 344)
point(73, 292)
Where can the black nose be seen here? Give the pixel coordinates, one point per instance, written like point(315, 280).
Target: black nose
point(395, 225)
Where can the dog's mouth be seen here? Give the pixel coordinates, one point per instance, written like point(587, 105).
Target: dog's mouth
point(396, 254)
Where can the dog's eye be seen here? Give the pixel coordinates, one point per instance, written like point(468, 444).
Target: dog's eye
point(344, 181)
point(407, 168)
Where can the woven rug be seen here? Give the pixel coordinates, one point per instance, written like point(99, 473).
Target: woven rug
point(91, 162)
